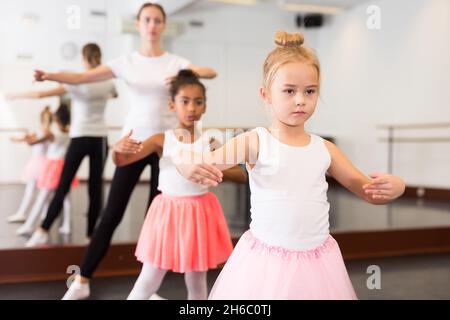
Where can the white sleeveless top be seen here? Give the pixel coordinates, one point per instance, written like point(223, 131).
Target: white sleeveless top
point(58, 147)
point(289, 204)
point(171, 182)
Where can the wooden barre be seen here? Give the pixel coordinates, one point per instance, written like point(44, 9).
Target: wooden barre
point(13, 130)
point(415, 126)
point(416, 140)
point(118, 128)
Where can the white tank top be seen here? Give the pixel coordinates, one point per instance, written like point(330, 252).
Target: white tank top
point(171, 182)
point(289, 204)
point(58, 147)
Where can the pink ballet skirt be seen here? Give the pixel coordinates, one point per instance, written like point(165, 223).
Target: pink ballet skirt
point(184, 234)
point(257, 271)
point(51, 173)
point(34, 167)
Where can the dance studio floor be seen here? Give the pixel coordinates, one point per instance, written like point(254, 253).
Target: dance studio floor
point(402, 278)
point(347, 213)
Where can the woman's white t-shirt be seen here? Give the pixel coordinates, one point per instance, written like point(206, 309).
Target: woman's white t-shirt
point(88, 108)
point(145, 77)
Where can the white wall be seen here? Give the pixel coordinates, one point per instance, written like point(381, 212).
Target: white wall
point(398, 74)
point(235, 40)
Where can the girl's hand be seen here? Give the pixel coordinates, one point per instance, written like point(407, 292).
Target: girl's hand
point(40, 75)
point(191, 166)
point(30, 138)
point(384, 187)
point(126, 145)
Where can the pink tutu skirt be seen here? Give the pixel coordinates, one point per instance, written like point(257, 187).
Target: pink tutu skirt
point(184, 234)
point(257, 271)
point(51, 173)
point(33, 169)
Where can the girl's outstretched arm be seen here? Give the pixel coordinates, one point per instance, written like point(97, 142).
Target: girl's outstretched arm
point(101, 73)
point(381, 189)
point(21, 139)
point(37, 94)
point(127, 150)
point(33, 139)
point(207, 168)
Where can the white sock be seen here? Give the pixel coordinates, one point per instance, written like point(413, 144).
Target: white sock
point(45, 209)
point(148, 283)
point(196, 283)
point(77, 291)
point(38, 238)
point(41, 199)
point(21, 214)
point(25, 229)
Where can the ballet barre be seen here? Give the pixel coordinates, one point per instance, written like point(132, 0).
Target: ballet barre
point(9, 130)
point(391, 139)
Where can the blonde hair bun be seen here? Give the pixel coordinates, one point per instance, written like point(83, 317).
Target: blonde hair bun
point(285, 39)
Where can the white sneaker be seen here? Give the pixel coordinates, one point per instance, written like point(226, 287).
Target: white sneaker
point(25, 230)
point(77, 291)
point(38, 238)
point(156, 297)
point(17, 218)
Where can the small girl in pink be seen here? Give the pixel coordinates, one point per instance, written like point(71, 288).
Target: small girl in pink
point(50, 176)
point(288, 253)
point(34, 166)
point(185, 230)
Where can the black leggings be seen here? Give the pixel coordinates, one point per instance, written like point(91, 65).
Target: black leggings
point(97, 150)
point(124, 181)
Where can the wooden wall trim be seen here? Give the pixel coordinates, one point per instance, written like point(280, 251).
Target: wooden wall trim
point(370, 244)
point(50, 264)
